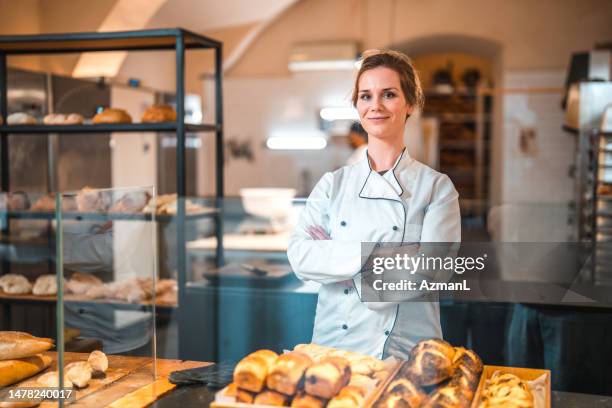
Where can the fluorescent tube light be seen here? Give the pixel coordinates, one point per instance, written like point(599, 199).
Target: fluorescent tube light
point(296, 142)
point(339, 113)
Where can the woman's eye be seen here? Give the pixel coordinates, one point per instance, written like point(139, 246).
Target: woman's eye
point(389, 95)
point(364, 97)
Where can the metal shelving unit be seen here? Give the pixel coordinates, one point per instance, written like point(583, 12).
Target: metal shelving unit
point(176, 40)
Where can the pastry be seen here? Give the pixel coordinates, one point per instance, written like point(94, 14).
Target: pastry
point(20, 118)
point(131, 203)
point(79, 373)
point(303, 400)
point(447, 397)
point(506, 390)
point(51, 380)
point(287, 372)
point(327, 377)
point(112, 115)
point(159, 113)
point(98, 361)
point(244, 396)
point(45, 285)
point(165, 285)
point(431, 362)
point(80, 282)
point(250, 373)
point(269, 397)
point(14, 284)
point(467, 358)
point(92, 200)
point(12, 371)
point(348, 396)
point(62, 119)
point(17, 201)
point(47, 203)
point(14, 344)
point(410, 393)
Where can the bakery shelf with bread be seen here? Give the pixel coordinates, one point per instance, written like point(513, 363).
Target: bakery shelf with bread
point(178, 43)
point(308, 376)
point(79, 287)
point(103, 205)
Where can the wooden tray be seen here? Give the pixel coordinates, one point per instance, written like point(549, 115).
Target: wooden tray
point(371, 398)
point(527, 374)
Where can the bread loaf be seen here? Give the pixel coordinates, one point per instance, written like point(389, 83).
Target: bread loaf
point(51, 380)
point(506, 390)
point(20, 118)
point(348, 396)
point(15, 345)
point(159, 113)
point(303, 400)
point(45, 285)
point(14, 284)
point(410, 393)
point(448, 396)
point(245, 396)
point(431, 362)
point(287, 373)
point(12, 371)
point(79, 373)
point(62, 119)
point(269, 397)
point(98, 361)
point(112, 115)
point(250, 373)
point(327, 377)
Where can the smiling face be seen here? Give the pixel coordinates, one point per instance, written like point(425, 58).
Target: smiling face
point(381, 103)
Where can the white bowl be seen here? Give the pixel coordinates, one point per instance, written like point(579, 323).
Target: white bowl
point(273, 203)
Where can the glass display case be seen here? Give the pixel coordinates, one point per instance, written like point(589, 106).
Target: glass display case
point(79, 290)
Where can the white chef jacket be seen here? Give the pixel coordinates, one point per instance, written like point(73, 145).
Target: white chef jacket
point(355, 204)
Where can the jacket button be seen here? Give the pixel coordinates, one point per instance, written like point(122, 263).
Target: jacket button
point(387, 332)
point(343, 223)
point(346, 291)
point(344, 326)
point(395, 228)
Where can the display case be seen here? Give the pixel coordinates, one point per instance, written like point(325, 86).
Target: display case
point(179, 214)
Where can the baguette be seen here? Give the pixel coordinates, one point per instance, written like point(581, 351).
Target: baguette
point(287, 373)
point(12, 371)
point(250, 373)
point(15, 345)
point(326, 378)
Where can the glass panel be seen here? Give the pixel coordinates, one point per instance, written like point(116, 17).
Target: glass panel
point(108, 258)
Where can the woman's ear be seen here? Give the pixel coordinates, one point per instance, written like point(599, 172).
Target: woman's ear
point(409, 111)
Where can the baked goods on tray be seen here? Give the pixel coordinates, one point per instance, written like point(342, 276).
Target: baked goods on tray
point(251, 372)
point(14, 284)
point(15, 370)
point(45, 285)
point(20, 118)
point(327, 377)
point(112, 115)
point(14, 344)
point(436, 375)
point(310, 376)
point(506, 390)
point(431, 361)
point(63, 119)
point(159, 113)
point(287, 372)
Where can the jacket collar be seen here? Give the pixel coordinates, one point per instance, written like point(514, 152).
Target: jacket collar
point(386, 186)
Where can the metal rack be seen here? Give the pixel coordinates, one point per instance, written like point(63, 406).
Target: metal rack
point(175, 39)
point(601, 207)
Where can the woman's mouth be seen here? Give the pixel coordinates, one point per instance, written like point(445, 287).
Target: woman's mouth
point(378, 119)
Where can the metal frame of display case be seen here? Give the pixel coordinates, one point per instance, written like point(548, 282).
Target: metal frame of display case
point(173, 39)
